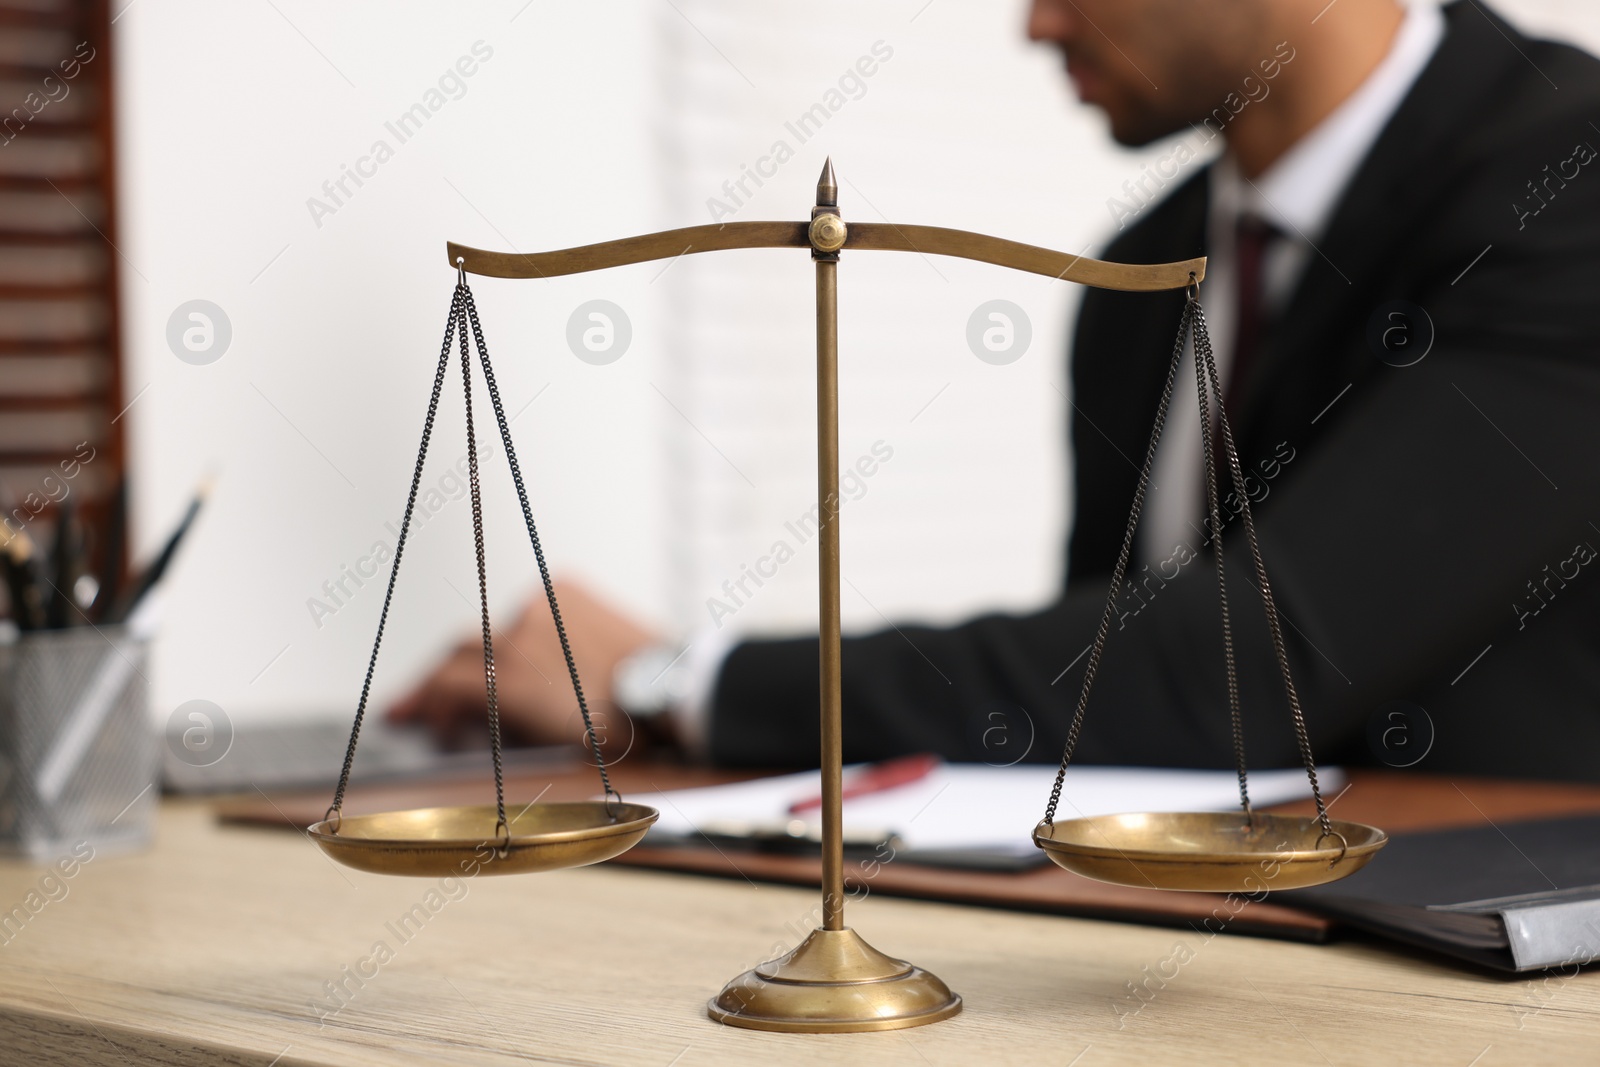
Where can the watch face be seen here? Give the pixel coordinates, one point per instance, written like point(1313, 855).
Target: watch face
point(650, 681)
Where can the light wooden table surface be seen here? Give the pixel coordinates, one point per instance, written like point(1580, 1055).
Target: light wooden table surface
point(214, 947)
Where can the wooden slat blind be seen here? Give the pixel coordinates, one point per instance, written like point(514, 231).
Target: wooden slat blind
point(60, 380)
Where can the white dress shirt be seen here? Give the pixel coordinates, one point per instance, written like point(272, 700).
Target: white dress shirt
point(1297, 194)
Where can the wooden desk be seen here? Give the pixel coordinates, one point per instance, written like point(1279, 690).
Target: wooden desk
point(211, 947)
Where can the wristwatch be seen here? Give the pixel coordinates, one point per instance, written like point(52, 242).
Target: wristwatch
point(651, 682)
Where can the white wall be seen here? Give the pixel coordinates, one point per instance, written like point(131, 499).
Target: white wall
point(655, 477)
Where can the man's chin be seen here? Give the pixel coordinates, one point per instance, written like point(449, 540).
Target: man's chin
point(1135, 130)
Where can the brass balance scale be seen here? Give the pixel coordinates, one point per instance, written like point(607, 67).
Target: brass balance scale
point(834, 981)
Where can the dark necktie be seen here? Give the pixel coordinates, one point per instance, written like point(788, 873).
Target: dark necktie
point(1253, 236)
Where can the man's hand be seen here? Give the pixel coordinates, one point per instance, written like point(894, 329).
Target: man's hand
point(536, 702)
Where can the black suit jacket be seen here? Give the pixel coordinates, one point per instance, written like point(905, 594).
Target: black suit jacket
point(1426, 528)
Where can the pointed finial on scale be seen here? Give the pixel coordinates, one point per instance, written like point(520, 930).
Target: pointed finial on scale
point(827, 187)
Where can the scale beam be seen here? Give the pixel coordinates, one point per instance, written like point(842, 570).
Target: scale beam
point(667, 244)
point(863, 236)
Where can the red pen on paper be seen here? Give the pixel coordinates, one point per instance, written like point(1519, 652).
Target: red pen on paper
point(876, 778)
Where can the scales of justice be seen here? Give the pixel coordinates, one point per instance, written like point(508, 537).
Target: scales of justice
point(834, 981)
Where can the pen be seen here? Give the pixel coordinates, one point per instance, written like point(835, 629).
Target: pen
point(65, 561)
point(22, 579)
point(146, 580)
point(794, 837)
point(877, 778)
point(111, 556)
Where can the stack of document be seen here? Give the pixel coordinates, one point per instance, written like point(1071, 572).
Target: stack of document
point(972, 808)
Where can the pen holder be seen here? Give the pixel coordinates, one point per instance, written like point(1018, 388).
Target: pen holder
point(78, 756)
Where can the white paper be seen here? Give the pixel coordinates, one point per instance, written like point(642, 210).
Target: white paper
point(973, 806)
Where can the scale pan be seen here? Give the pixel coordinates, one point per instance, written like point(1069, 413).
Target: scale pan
point(1208, 852)
point(435, 842)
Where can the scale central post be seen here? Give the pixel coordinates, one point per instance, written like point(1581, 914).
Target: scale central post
point(833, 982)
point(827, 234)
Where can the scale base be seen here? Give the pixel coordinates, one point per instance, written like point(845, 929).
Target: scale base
point(834, 983)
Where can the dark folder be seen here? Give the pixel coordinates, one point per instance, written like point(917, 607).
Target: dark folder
point(1517, 896)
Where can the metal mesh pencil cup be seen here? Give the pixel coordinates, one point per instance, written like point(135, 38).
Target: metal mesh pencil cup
point(78, 756)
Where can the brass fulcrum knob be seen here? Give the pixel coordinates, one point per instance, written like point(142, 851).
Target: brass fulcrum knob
point(827, 233)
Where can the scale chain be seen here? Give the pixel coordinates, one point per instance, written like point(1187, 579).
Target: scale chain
point(502, 828)
point(538, 550)
point(450, 326)
point(462, 311)
point(1202, 336)
point(1193, 319)
point(1121, 566)
point(1268, 603)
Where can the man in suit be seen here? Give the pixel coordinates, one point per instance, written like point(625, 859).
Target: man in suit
point(1403, 228)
